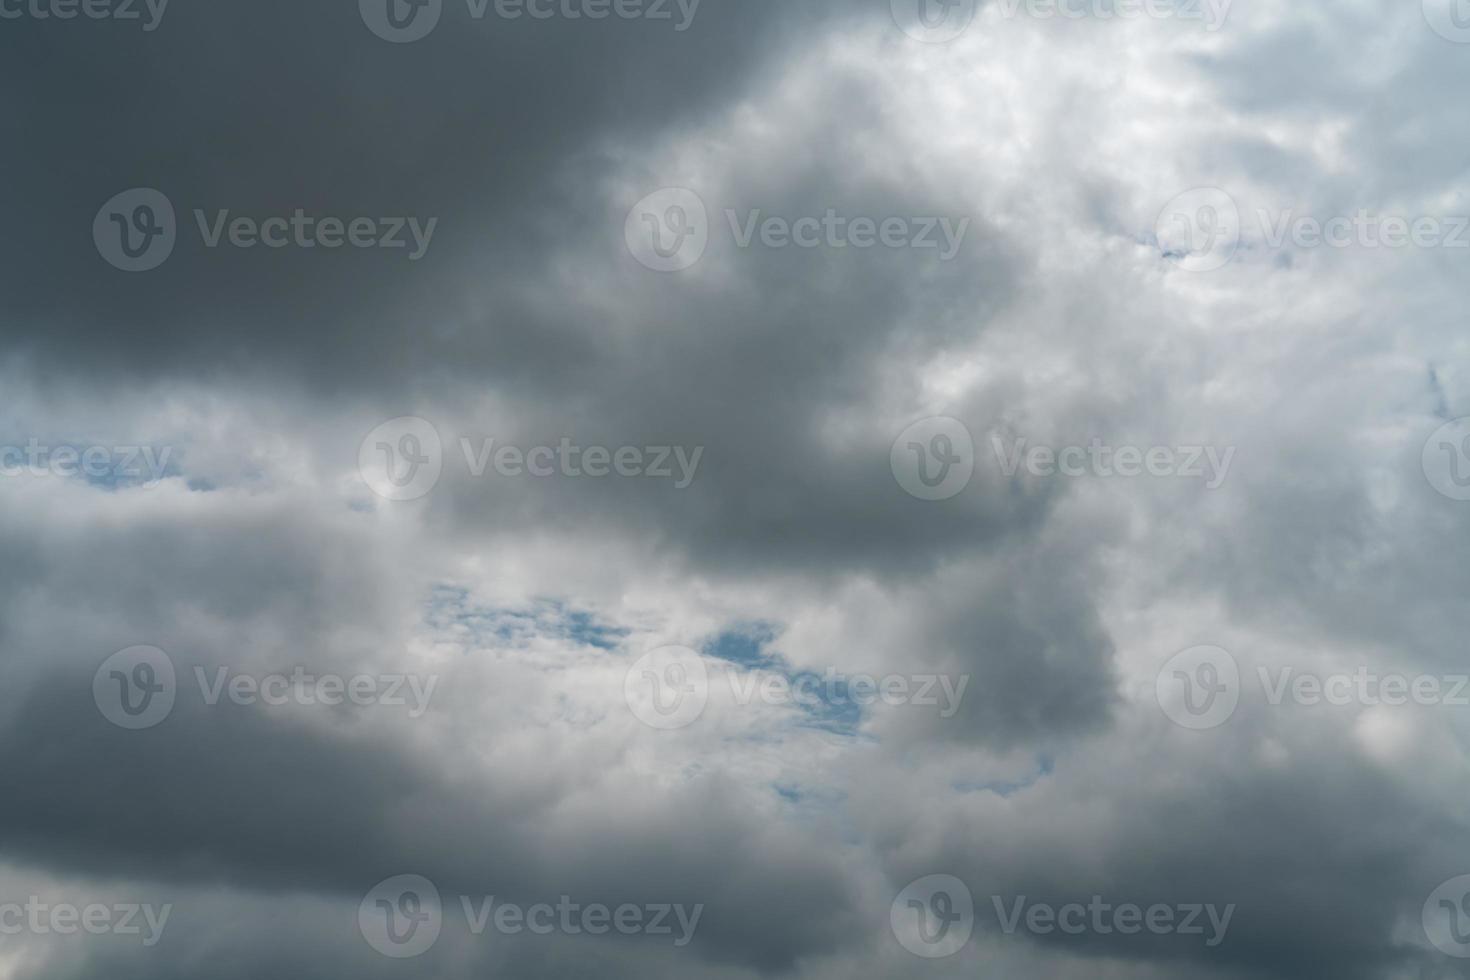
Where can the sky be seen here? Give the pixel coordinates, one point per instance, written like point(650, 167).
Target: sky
point(734, 490)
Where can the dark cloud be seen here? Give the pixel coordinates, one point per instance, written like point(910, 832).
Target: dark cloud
point(1064, 317)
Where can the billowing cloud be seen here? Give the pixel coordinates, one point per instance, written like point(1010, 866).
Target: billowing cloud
point(817, 487)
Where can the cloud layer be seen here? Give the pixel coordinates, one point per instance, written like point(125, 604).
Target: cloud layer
point(1178, 420)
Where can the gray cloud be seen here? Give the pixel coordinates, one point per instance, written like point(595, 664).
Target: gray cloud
point(1064, 317)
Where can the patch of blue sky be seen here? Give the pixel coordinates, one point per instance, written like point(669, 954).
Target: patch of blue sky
point(452, 609)
point(1045, 766)
point(827, 704)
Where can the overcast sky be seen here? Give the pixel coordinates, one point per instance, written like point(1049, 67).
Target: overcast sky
point(846, 488)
